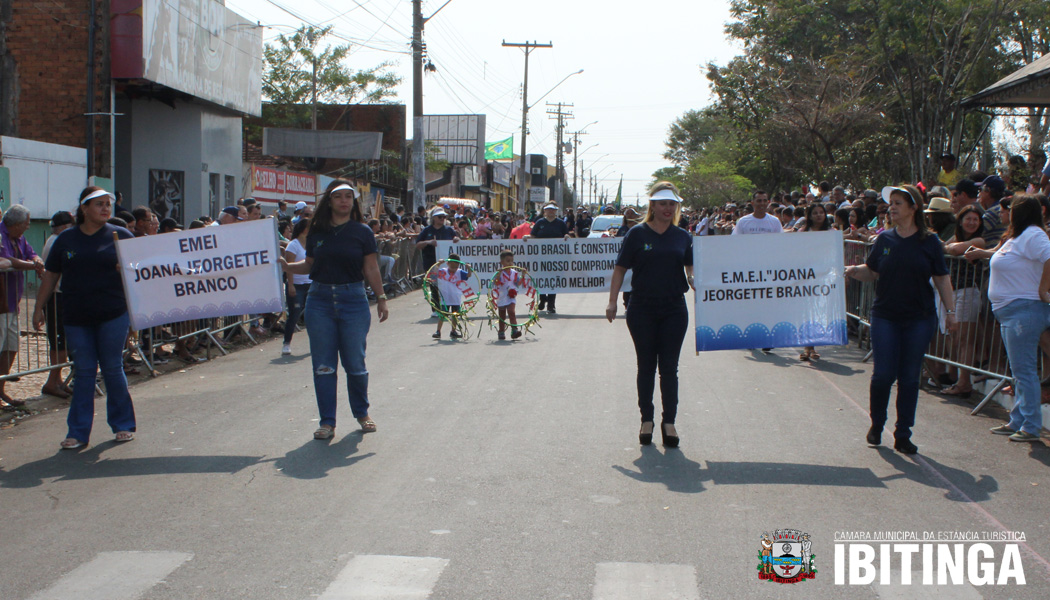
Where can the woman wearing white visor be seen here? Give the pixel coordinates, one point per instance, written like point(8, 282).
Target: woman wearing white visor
point(660, 256)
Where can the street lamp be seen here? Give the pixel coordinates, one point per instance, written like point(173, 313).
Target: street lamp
point(598, 179)
point(523, 184)
point(592, 173)
point(576, 155)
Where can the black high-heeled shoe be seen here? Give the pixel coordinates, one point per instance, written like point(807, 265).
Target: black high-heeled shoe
point(646, 438)
point(670, 441)
point(875, 435)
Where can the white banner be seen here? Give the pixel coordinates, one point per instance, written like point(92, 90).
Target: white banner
point(228, 270)
point(556, 266)
point(769, 291)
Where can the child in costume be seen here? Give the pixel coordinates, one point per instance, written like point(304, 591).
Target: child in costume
point(505, 292)
point(450, 280)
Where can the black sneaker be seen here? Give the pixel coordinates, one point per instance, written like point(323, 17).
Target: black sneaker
point(1003, 429)
point(1024, 436)
point(455, 335)
point(437, 335)
point(502, 336)
point(551, 311)
point(767, 350)
point(515, 334)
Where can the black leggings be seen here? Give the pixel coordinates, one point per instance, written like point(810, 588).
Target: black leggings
point(658, 328)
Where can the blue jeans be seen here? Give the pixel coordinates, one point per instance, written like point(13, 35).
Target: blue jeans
point(91, 347)
point(1022, 322)
point(338, 318)
point(898, 348)
point(296, 304)
point(658, 327)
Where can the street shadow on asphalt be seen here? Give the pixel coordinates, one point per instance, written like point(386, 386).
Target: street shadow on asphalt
point(834, 368)
point(755, 355)
point(671, 468)
point(1040, 452)
point(680, 474)
point(315, 458)
point(291, 359)
point(976, 489)
point(67, 465)
point(833, 364)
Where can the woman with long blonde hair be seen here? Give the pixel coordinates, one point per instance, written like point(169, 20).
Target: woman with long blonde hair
point(660, 256)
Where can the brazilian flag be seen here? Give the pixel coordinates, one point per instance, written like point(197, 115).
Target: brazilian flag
point(501, 150)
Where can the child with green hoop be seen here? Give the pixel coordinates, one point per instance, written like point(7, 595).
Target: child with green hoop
point(505, 292)
point(450, 281)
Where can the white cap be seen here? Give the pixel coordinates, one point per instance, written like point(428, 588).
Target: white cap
point(550, 206)
point(95, 194)
point(344, 186)
point(300, 205)
point(889, 189)
point(665, 195)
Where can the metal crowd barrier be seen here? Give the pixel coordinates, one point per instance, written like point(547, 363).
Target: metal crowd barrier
point(976, 350)
point(33, 355)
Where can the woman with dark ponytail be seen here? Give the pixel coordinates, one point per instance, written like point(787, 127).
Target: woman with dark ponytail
point(341, 256)
point(97, 323)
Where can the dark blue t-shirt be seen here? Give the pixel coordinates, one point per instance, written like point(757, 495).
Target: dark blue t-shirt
point(91, 283)
point(432, 233)
point(905, 265)
point(658, 261)
point(339, 254)
point(544, 229)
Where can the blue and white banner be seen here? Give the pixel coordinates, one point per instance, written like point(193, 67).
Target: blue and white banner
point(221, 271)
point(769, 291)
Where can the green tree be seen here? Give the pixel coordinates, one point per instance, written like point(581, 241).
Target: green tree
point(819, 83)
point(299, 65)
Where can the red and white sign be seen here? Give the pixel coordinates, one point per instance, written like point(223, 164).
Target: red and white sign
point(271, 185)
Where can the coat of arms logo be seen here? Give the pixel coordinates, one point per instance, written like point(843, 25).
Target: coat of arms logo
point(786, 557)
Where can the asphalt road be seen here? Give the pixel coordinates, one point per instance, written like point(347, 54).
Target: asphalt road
point(501, 470)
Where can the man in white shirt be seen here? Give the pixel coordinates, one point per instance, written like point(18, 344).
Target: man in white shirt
point(838, 196)
point(760, 221)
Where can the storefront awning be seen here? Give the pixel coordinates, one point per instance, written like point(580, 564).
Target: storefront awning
point(1027, 87)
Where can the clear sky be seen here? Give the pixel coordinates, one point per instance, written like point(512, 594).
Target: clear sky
point(643, 66)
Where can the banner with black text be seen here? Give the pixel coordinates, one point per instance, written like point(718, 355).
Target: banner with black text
point(556, 266)
point(769, 291)
point(217, 271)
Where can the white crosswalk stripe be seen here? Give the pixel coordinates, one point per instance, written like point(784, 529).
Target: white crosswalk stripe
point(645, 581)
point(372, 577)
point(115, 576)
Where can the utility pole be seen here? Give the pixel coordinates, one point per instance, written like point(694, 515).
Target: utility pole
point(559, 170)
point(523, 180)
point(575, 153)
point(419, 169)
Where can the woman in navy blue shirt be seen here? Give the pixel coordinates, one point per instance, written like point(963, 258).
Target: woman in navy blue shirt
point(660, 256)
point(341, 255)
point(903, 318)
point(97, 321)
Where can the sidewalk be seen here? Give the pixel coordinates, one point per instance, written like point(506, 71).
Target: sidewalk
point(42, 403)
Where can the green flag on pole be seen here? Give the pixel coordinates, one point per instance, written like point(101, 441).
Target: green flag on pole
point(501, 150)
point(619, 194)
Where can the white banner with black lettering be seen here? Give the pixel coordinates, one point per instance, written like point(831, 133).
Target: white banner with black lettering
point(556, 266)
point(769, 291)
point(228, 270)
